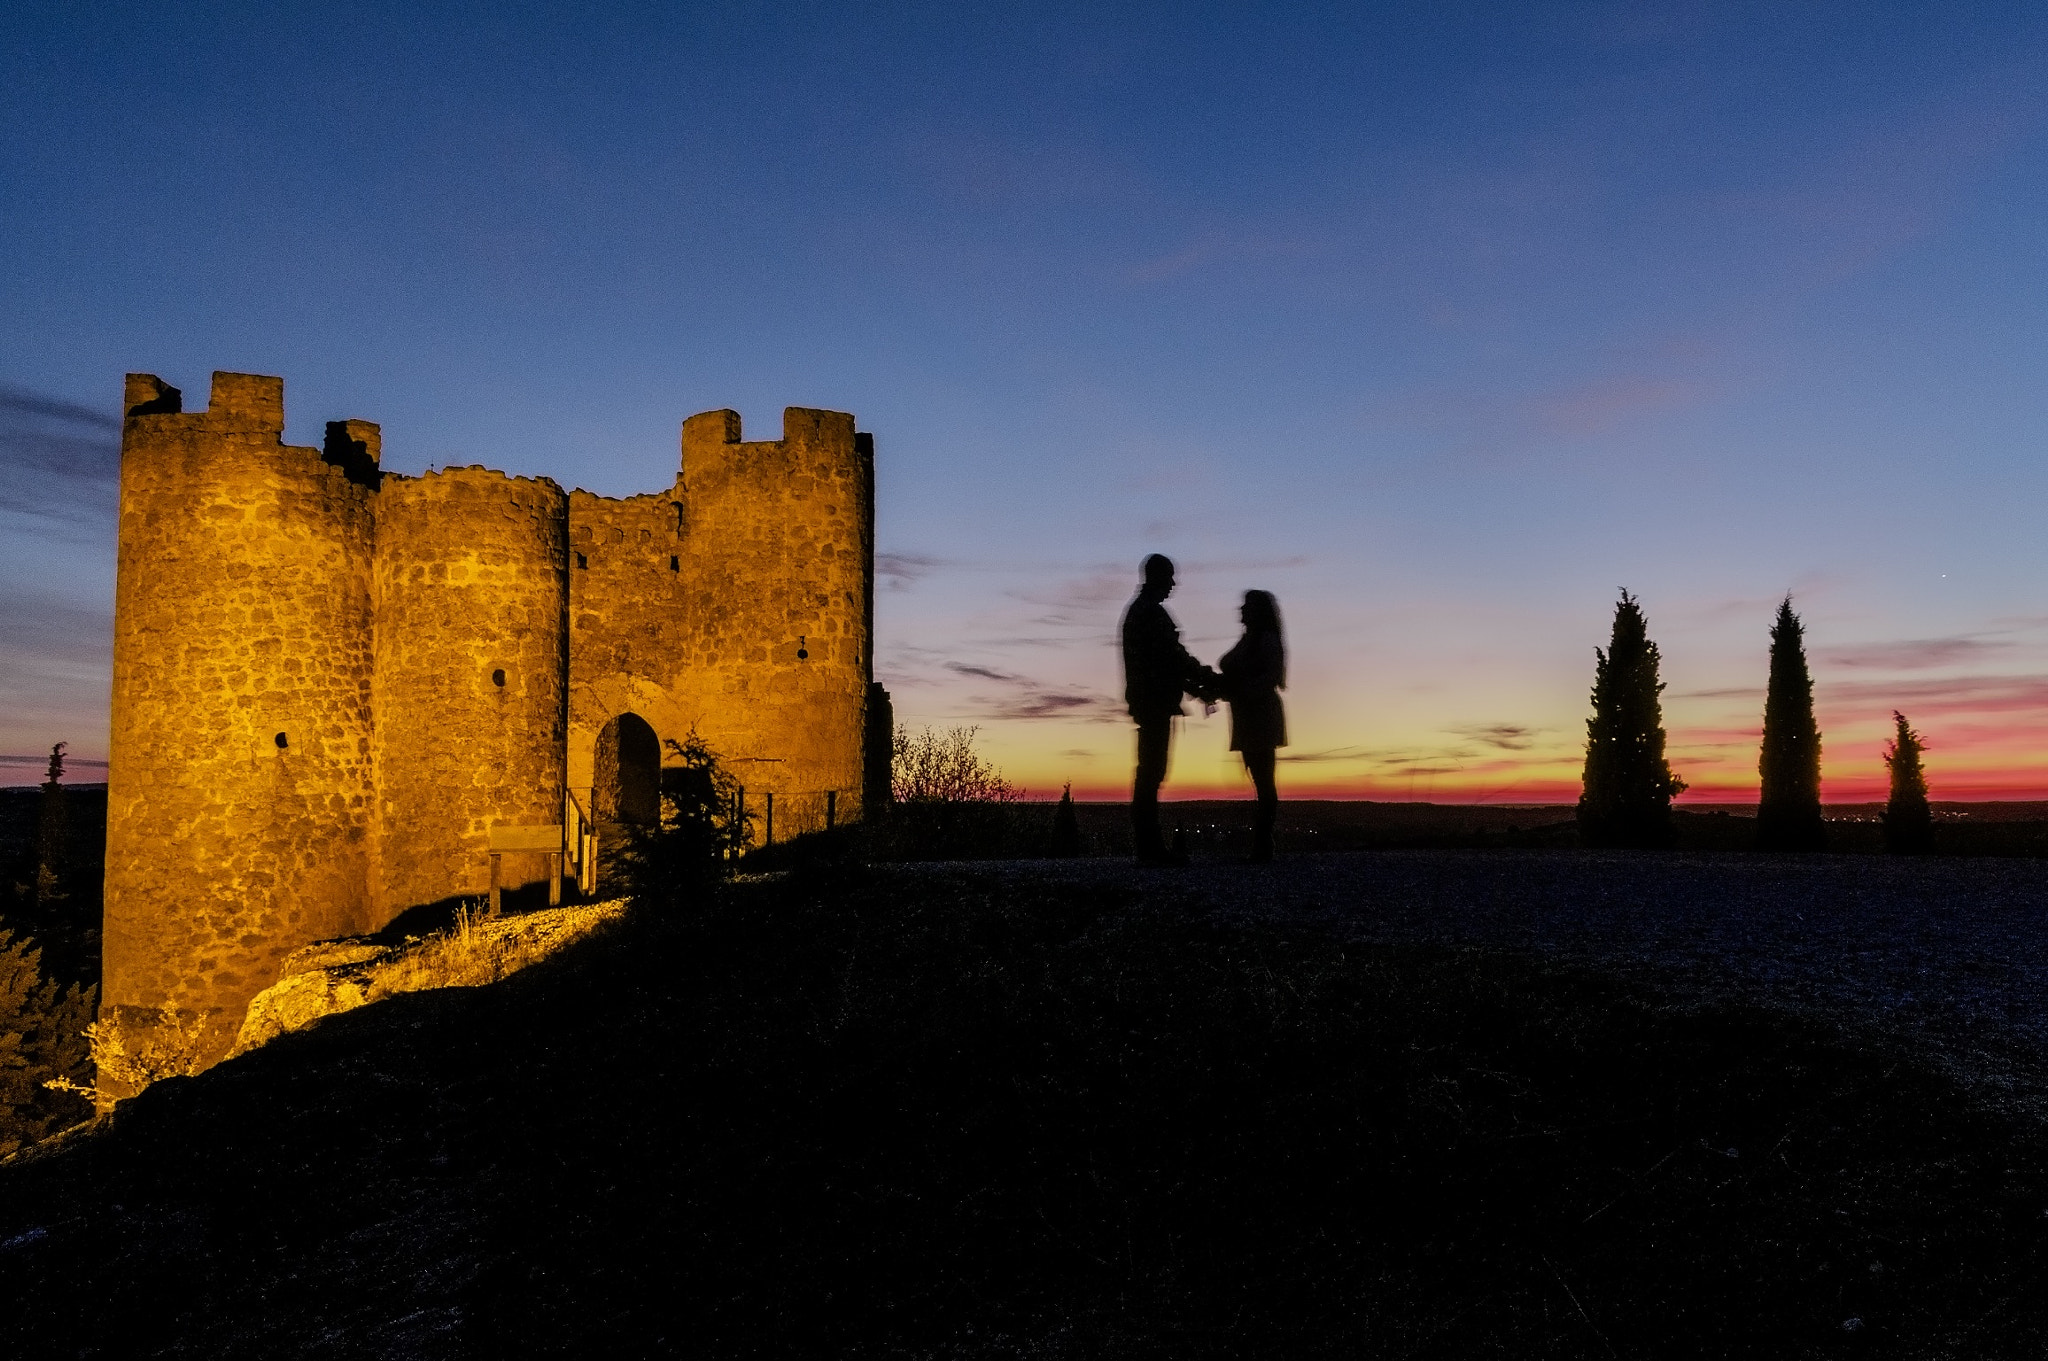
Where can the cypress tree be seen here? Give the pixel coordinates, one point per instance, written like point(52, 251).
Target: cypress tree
point(1908, 826)
point(1066, 827)
point(1628, 785)
point(52, 833)
point(1788, 805)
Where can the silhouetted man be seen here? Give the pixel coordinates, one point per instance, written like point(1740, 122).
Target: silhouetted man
point(1157, 672)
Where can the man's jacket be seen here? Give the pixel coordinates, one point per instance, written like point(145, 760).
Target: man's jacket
point(1157, 669)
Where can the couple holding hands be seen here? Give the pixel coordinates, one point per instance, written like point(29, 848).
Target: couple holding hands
point(1158, 671)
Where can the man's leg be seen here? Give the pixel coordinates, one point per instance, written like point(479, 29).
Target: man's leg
point(1154, 737)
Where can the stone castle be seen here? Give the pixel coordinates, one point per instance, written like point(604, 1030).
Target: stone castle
point(332, 683)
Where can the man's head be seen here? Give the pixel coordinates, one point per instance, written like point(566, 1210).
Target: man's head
point(1159, 576)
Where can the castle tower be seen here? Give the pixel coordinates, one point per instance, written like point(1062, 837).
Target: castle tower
point(239, 793)
point(786, 661)
point(739, 607)
point(471, 678)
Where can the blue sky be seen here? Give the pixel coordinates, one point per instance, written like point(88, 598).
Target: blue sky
point(1443, 322)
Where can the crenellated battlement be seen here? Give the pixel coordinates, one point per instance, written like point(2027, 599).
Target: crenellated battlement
point(148, 395)
point(248, 403)
point(333, 681)
point(714, 450)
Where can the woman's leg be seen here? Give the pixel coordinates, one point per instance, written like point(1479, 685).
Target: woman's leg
point(1259, 765)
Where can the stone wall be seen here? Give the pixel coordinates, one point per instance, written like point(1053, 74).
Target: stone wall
point(736, 606)
point(780, 662)
point(631, 616)
point(240, 786)
point(330, 683)
point(469, 698)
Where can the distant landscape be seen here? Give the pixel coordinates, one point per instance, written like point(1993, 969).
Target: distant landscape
point(2009, 828)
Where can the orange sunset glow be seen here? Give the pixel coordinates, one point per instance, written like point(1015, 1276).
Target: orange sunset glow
point(1457, 705)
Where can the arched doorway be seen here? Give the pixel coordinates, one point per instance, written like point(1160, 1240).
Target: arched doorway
point(627, 784)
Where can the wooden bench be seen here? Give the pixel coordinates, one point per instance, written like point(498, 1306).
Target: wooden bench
point(514, 840)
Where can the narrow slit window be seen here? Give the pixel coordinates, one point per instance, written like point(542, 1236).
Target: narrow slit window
point(675, 563)
point(582, 560)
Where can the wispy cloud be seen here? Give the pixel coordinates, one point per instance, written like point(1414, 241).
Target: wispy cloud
point(901, 571)
point(1504, 736)
point(42, 761)
point(1901, 181)
point(59, 461)
point(1180, 261)
point(1022, 697)
point(55, 666)
point(1032, 702)
point(1913, 654)
point(1957, 695)
point(1234, 248)
point(43, 630)
point(1079, 601)
point(1329, 754)
point(1488, 425)
point(1602, 404)
point(982, 672)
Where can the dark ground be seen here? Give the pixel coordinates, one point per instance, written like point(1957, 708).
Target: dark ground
point(1948, 955)
point(1413, 1104)
point(1312, 825)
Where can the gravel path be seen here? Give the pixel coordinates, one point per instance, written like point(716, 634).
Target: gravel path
point(1948, 955)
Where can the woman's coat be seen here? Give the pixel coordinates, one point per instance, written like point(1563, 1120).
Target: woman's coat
point(1253, 672)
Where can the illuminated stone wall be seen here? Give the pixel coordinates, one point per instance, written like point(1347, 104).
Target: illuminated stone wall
point(736, 606)
point(440, 655)
point(238, 812)
point(469, 704)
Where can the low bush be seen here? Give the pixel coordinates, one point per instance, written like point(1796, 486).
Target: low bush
point(43, 1047)
point(705, 825)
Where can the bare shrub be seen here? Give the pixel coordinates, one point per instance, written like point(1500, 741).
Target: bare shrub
point(943, 767)
point(127, 1057)
point(951, 804)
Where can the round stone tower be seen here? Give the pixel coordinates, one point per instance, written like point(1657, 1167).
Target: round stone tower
point(471, 678)
point(239, 797)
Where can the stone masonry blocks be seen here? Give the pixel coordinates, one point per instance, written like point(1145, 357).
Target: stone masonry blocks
point(330, 682)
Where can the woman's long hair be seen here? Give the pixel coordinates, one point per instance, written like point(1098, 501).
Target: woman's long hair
point(1262, 616)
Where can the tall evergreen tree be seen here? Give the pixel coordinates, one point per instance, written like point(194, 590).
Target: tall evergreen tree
point(1788, 806)
point(1066, 826)
point(52, 833)
point(1628, 784)
point(1908, 825)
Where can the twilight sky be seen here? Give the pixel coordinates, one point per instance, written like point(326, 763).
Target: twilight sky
point(1441, 321)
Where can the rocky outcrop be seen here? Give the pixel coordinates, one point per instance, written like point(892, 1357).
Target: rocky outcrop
point(320, 980)
point(334, 976)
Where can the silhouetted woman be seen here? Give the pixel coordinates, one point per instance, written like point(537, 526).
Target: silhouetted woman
point(1254, 674)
